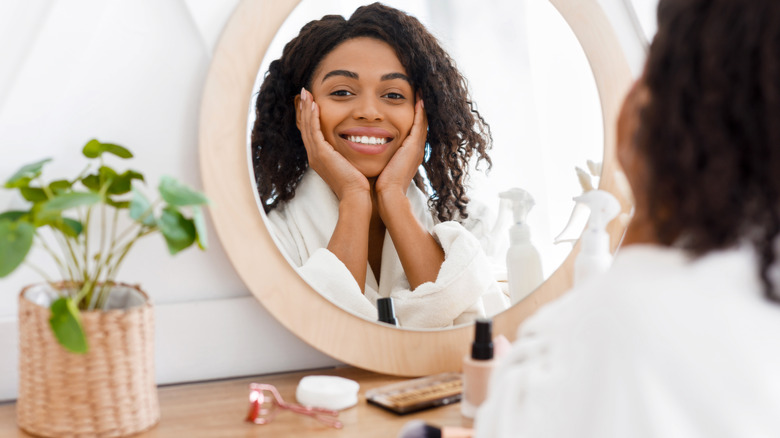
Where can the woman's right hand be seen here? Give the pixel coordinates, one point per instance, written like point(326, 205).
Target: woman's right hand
point(342, 177)
point(349, 241)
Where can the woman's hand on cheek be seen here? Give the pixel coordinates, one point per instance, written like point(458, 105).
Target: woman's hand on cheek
point(400, 170)
point(342, 177)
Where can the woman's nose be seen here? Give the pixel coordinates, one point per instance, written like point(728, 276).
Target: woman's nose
point(367, 108)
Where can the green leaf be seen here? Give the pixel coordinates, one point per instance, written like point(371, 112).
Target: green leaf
point(200, 227)
point(179, 232)
point(119, 185)
point(69, 200)
point(16, 239)
point(106, 173)
point(124, 182)
point(118, 204)
point(70, 227)
point(108, 177)
point(60, 186)
point(65, 322)
point(41, 217)
point(33, 194)
point(91, 182)
point(14, 215)
point(179, 195)
point(140, 206)
point(132, 174)
point(94, 149)
point(23, 176)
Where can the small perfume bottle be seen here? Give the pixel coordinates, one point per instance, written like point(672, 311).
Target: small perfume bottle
point(477, 368)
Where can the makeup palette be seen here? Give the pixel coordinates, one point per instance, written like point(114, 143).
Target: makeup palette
point(418, 394)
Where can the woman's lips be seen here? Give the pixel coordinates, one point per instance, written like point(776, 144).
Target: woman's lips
point(369, 141)
point(367, 149)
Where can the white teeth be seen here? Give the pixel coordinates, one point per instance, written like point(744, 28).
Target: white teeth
point(366, 139)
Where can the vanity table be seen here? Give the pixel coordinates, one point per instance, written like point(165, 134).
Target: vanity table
point(217, 409)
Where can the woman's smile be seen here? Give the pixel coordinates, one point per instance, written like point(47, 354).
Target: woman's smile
point(367, 140)
point(366, 102)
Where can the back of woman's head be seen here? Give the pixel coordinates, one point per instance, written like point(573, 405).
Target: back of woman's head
point(456, 132)
point(710, 130)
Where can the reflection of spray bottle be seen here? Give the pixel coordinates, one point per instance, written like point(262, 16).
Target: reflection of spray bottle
point(594, 257)
point(576, 223)
point(523, 264)
point(497, 244)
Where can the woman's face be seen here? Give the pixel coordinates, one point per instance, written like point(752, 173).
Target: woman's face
point(366, 102)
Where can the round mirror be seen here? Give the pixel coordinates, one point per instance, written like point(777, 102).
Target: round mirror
point(527, 75)
point(228, 181)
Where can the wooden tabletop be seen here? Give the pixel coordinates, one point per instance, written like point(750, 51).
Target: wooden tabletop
point(218, 408)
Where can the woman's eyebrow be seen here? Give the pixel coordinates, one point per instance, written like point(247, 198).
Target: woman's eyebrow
point(353, 75)
point(391, 76)
point(346, 73)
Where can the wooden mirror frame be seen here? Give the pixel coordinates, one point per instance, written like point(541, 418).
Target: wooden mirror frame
point(228, 183)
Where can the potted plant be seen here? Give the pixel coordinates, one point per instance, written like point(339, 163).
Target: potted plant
point(86, 342)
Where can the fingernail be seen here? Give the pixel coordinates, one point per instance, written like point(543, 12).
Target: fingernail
point(312, 105)
point(422, 103)
point(303, 93)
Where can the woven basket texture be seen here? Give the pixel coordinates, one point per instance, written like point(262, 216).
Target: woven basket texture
point(108, 392)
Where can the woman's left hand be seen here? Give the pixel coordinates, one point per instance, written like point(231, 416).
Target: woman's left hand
point(402, 167)
point(421, 256)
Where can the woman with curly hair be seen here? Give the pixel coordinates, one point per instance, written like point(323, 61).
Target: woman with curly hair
point(345, 119)
point(680, 337)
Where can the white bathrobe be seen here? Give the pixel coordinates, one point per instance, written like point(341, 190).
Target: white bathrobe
point(660, 346)
point(464, 286)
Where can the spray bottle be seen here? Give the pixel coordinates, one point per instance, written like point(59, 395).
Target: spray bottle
point(594, 257)
point(523, 264)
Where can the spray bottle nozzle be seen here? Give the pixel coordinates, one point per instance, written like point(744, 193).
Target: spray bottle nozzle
point(522, 203)
point(603, 207)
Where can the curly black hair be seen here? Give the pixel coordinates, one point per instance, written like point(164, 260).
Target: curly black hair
point(710, 130)
point(456, 130)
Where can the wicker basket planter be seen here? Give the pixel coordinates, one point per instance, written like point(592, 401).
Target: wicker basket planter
point(108, 392)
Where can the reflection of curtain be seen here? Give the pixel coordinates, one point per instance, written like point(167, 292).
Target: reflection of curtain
point(532, 83)
point(492, 53)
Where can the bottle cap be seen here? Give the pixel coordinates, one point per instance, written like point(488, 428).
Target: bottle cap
point(482, 348)
point(386, 311)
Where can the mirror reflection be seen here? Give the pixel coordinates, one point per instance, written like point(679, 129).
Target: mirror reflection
point(332, 176)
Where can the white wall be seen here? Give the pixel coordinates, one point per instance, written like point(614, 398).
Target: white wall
point(131, 72)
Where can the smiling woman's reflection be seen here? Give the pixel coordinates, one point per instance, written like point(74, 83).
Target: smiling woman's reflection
point(344, 120)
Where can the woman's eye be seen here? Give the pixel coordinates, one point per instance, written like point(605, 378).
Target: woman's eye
point(394, 96)
point(341, 93)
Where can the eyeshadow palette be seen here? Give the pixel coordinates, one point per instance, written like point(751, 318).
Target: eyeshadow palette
point(418, 394)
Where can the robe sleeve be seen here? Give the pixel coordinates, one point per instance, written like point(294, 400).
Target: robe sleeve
point(457, 293)
point(322, 270)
